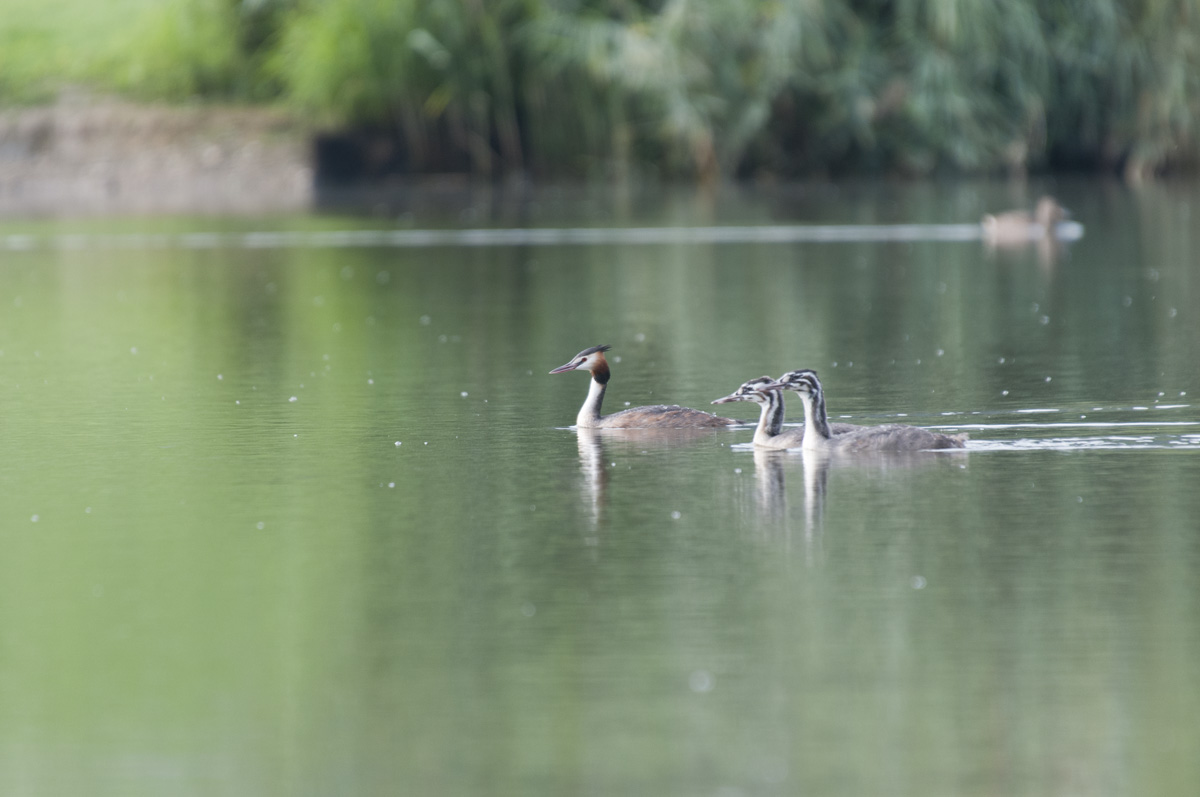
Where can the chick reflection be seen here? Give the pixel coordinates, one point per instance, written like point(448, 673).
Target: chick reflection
point(770, 467)
point(773, 469)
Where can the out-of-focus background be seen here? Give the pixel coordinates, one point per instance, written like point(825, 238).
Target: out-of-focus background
point(174, 91)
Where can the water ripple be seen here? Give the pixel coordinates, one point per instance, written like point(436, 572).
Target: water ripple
point(513, 236)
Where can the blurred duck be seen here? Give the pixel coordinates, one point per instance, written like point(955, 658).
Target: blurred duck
point(820, 437)
point(657, 416)
point(1020, 227)
point(770, 433)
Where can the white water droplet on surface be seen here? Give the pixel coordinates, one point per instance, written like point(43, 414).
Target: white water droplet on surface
point(391, 485)
point(87, 510)
point(220, 377)
point(676, 515)
point(293, 398)
point(1049, 378)
point(370, 381)
point(737, 470)
point(463, 394)
point(260, 525)
point(132, 350)
point(701, 681)
point(397, 443)
point(34, 519)
point(919, 582)
point(1003, 392)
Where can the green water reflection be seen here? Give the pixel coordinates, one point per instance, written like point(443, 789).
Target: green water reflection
point(283, 521)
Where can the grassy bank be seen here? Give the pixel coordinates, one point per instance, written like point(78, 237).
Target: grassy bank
point(671, 87)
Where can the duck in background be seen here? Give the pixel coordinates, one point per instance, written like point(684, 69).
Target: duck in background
point(1047, 228)
point(1049, 220)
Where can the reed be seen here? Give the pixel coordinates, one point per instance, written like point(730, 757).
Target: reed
point(693, 88)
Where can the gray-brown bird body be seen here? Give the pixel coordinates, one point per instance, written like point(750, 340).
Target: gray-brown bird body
point(891, 437)
point(655, 416)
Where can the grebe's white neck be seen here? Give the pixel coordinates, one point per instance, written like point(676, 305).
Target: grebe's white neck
point(589, 413)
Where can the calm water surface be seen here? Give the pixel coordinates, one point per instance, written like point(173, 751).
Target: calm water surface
point(292, 519)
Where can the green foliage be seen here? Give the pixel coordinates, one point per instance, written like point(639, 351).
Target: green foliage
point(673, 87)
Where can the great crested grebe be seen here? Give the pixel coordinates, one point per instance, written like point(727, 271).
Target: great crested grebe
point(656, 416)
point(1020, 227)
point(892, 437)
point(770, 433)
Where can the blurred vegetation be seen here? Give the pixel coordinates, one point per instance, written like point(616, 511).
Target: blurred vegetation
point(669, 87)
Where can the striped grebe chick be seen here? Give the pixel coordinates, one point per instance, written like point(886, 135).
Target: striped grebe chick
point(891, 437)
point(656, 416)
point(770, 433)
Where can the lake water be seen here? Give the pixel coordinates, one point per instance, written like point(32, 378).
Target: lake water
point(292, 506)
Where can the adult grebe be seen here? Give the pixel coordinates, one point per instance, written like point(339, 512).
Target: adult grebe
point(658, 416)
point(770, 432)
point(892, 437)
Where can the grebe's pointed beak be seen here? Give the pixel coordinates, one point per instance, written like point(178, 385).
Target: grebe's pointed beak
point(562, 369)
point(725, 399)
